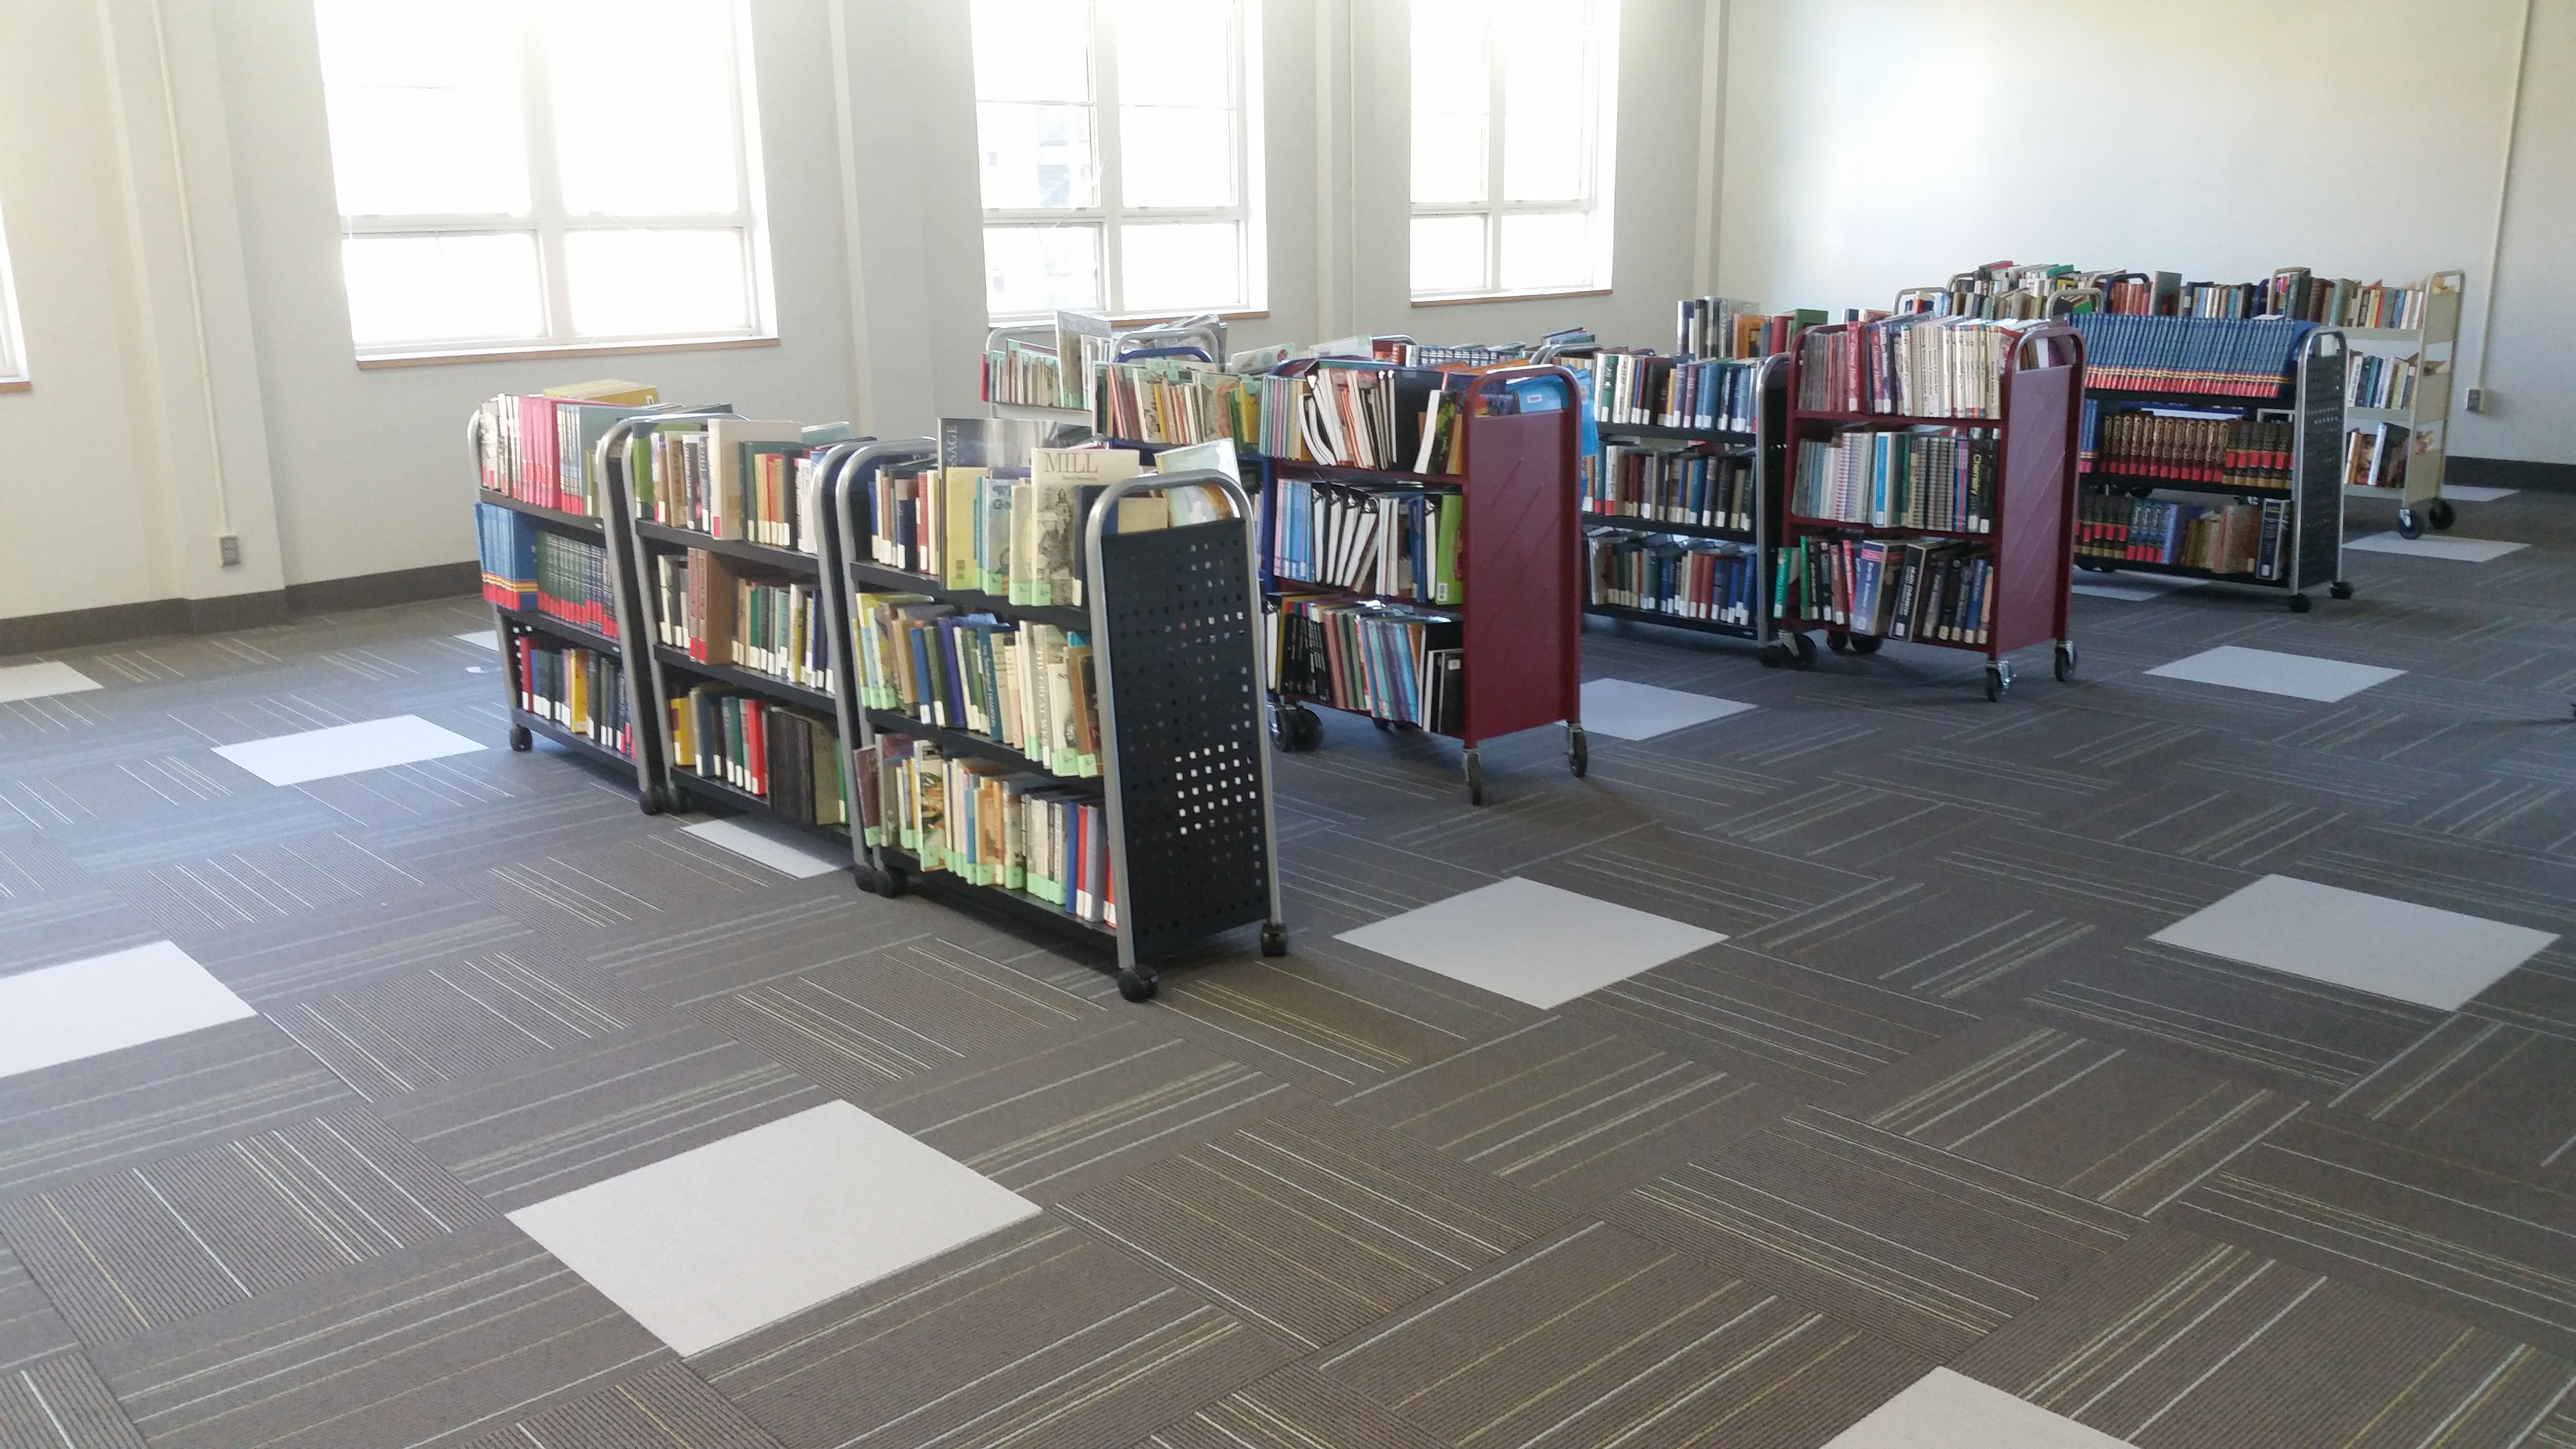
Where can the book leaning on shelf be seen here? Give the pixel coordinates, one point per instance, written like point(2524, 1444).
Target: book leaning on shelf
point(580, 689)
point(1689, 578)
point(1391, 537)
point(788, 757)
point(1921, 477)
point(526, 567)
point(723, 612)
point(2249, 540)
point(1921, 589)
point(1397, 662)
point(988, 824)
point(2376, 456)
point(538, 449)
point(1028, 687)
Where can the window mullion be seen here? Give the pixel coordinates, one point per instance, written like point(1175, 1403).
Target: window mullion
point(1494, 142)
point(545, 183)
point(1104, 129)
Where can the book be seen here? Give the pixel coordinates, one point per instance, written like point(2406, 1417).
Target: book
point(1390, 537)
point(2229, 357)
point(1935, 591)
point(1929, 477)
point(2226, 539)
point(581, 690)
point(1360, 655)
point(1916, 365)
point(1020, 686)
point(787, 757)
point(1707, 580)
point(722, 612)
point(1670, 485)
point(2227, 448)
point(988, 825)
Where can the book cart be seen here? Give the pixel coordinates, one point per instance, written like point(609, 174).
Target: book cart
point(1520, 561)
point(2427, 417)
point(2033, 511)
point(1767, 447)
point(1174, 618)
point(509, 625)
point(2311, 397)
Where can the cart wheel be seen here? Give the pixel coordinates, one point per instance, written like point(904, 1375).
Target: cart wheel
point(891, 883)
point(1802, 651)
point(2301, 603)
point(1307, 728)
point(2065, 660)
point(2410, 524)
point(2438, 513)
point(1475, 778)
point(868, 878)
point(2340, 589)
point(1577, 753)
point(1998, 678)
point(1274, 939)
point(2142, 490)
point(651, 801)
point(1839, 642)
point(1138, 985)
point(1865, 643)
point(521, 740)
point(1383, 724)
point(1774, 655)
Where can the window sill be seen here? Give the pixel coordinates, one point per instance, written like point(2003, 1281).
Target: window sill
point(1484, 297)
point(16, 384)
point(588, 349)
point(999, 324)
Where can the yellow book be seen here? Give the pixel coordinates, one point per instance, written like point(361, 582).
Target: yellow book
point(957, 508)
point(610, 390)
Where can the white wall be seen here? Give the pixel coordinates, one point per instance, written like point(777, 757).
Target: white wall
point(1877, 144)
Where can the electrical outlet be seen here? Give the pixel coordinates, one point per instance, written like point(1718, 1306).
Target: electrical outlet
point(229, 545)
point(2478, 399)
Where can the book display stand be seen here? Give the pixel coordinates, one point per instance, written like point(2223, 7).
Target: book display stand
point(1765, 446)
point(2430, 351)
point(2308, 400)
point(2022, 598)
point(1519, 562)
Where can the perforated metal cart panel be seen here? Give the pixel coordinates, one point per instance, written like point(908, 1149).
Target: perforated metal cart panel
point(1190, 733)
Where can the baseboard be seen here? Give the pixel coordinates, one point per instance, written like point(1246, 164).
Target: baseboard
point(2511, 473)
point(115, 623)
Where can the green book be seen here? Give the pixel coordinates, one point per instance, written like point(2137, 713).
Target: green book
point(1446, 587)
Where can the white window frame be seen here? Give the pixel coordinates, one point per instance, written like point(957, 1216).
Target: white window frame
point(13, 342)
point(1600, 114)
point(549, 222)
point(1111, 214)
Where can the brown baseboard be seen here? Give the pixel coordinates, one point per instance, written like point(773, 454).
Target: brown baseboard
point(115, 623)
point(2511, 473)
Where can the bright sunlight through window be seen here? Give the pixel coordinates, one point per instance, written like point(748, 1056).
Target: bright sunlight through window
point(13, 346)
point(535, 173)
point(1513, 110)
point(1120, 165)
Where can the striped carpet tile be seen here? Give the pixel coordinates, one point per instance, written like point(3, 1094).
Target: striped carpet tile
point(1313, 1223)
point(1926, 1249)
point(457, 1020)
point(1327, 1023)
point(2177, 1342)
point(269, 882)
point(2481, 1088)
point(1295, 1408)
point(131, 1251)
point(59, 1403)
point(1565, 1108)
point(1945, 941)
point(664, 1407)
point(29, 1327)
point(1595, 1337)
point(1033, 1337)
point(574, 893)
point(767, 938)
point(268, 964)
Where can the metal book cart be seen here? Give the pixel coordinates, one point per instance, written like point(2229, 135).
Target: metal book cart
point(2033, 510)
point(2312, 395)
point(1767, 447)
point(2427, 415)
point(1174, 619)
point(1520, 562)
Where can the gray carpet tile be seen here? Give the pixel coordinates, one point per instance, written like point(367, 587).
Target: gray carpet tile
point(52, 911)
point(29, 1326)
point(1570, 1110)
point(2336, 1197)
point(1590, 1336)
point(435, 1346)
point(1085, 1104)
point(777, 935)
point(663, 1405)
point(178, 1094)
point(1037, 1335)
point(295, 882)
point(264, 964)
point(2179, 1342)
point(131, 1251)
point(58, 1402)
point(1295, 1408)
point(1957, 941)
point(650, 883)
point(1924, 1248)
point(2480, 1090)
point(1313, 1223)
point(1332, 1018)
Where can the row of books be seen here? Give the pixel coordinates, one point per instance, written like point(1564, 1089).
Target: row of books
point(789, 757)
point(1689, 578)
point(1030, 687)
point(1927, 591)
point(2231, 358)
point(746, 479)
point(1389, 537)
point(2376, 456)
point(581, 690)
point(526, 566)
point(1917, 366)
point(1025, 376)
point(2371, 380)
point(2233, 451)
point(2243, 539)
point(538, 449)
point(2343, 302)
point(1669, 392)
point(988, 825)
point(1723, 327)
point(1666, 485)
point(2004, 289)
point(1924, 477)
point(720, 614)
point(1391, 662)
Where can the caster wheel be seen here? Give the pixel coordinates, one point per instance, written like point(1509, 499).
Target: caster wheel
point(652, 802)
point(1774, 655)
point(1578, 754)
point(1138, 985)
point(2066, 661)
point(868, 878)
point(521, 740)
point(2141, 490)
point(1307, 728)
point(2410, 524)
point(1383, 724)
point(2439, 514)
point(1475, 779)
point(1865, 643)
point(1998, 680)
point(2301, 603)
point(1839, 643)
point(2340, 589)
point(1274, 940)
point(1802, 652)
point(891, 883)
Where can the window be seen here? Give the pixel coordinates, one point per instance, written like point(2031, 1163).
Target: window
point(1513, 109)
point(1120, 155)
point(536, 173)
point(13, 347)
